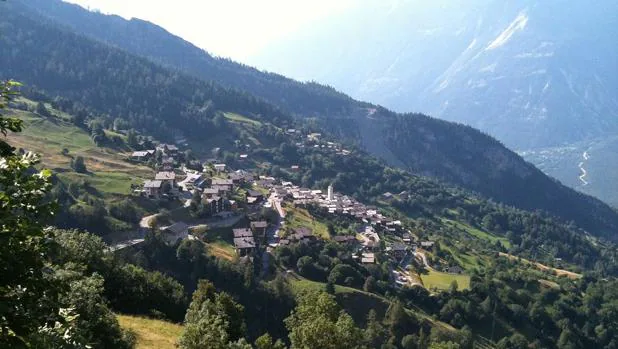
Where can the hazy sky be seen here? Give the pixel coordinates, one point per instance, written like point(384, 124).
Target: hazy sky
point(229, 28)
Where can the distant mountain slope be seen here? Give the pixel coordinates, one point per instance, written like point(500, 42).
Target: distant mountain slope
point(534, 74)
point(166, 103)
point(531, 73)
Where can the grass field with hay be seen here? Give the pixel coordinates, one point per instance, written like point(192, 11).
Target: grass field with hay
point(150, 333)
point(442, 281)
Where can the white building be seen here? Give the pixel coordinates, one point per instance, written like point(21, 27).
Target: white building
point(331, 196)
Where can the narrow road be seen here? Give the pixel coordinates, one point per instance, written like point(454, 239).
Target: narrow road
point(582, 177)
point(424, 259)
point(277, 205)
point(124, 244)
point(144, 223)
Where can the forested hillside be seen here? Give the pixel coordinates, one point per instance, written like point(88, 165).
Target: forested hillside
point(167, 103)
point(148, 40)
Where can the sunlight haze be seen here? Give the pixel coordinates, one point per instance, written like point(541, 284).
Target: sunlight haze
point(234, 29)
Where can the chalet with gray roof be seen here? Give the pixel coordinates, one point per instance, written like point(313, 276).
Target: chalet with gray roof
point(399, 250)
point(215, 204)
point(455, 270)
point(242, 232)
point(219, 167)
point(168, 149)
point(153, 188)
point(210, 192)
point(303, 234)
point(344, 239)
point(223, 182)
point(368, 258)
point(166, 176)
point(143, 155)
point(175, 233)
point(427, 244)
point(244, 246)
point(259, 228)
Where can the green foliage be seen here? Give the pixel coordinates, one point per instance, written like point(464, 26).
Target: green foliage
point(125, 211)
point(266, 342)
point(213, 320)
point(134, 290)
point(344, 274)
point(375, 333)
point(444, 345)
point(96, 324)
point(317, 322)
point(79, 165)
point(8, 90)
point(29, 291)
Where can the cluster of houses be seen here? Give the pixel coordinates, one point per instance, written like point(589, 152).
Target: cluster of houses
point(247, 240)
point(165, 157)
point(373, 223)
point(314, 140)
point(215, 190)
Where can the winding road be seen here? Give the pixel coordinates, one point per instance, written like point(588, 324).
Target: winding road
point(582, 177)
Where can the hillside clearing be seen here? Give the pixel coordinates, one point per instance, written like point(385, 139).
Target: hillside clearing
point(542, 267)
point(240, 118)
point(108, 172)
point(150, 333)
point(442, 281)
point(221, 249)
point(300, 218)
point(477, 232)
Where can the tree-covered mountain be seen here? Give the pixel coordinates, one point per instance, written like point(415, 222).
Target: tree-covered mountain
point(148, 40)
point(167, 103)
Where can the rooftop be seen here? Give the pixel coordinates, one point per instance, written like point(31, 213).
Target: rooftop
point(165, 176)
point(141, 153)
point(220, 181)
point(259, 224)
point(242, 232)
point(153, 184)
point(244, 242)
point(177, 228)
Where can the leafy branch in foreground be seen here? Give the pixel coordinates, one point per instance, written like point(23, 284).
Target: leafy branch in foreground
point(8, 90)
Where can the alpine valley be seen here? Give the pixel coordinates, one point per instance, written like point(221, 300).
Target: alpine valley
point(187, 201)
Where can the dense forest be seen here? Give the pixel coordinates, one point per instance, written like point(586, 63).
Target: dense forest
point(148, 40)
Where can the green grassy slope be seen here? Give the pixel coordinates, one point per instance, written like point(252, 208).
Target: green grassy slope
point(150, 333)
point(108, 172)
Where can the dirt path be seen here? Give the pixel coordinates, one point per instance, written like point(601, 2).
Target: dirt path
point(145, 221)
point(559, 272)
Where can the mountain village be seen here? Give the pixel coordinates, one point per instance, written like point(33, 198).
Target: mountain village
point(227, 196)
